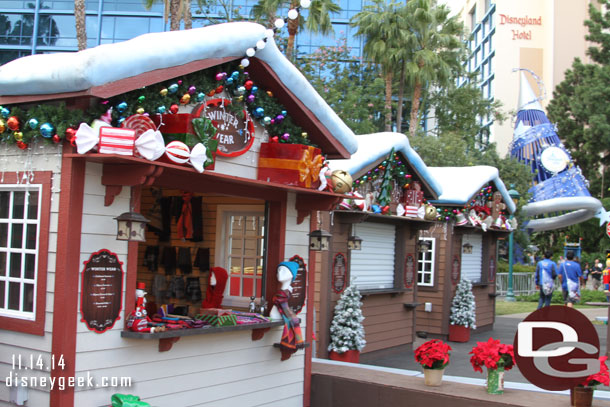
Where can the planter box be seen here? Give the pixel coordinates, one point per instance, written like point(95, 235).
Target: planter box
point(351, 356)
point(290, 164)
point(459, 333)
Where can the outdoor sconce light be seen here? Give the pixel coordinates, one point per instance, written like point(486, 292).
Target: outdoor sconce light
point(514, 195)
point(354, 243)
point(319, 240)
point(423, 246)
point(467, 248)
point(131, 226)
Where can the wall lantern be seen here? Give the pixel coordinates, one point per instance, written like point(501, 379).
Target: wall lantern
point(467, 248)
point(131, 226)
point(424, 245)
point(514, 195)
point(319, 240)
point(354, 243)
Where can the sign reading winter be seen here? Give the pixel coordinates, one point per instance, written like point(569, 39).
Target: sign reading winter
point(235, 128)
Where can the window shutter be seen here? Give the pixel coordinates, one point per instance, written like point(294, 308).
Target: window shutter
point(373, 266)
point(472, 264)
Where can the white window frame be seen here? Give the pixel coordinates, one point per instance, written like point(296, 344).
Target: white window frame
point(221, 258)
point(423, 260)
point(7, 279)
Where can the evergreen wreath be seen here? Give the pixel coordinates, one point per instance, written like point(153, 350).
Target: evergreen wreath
point(346, 330)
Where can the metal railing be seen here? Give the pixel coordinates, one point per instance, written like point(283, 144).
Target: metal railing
point(523, 283)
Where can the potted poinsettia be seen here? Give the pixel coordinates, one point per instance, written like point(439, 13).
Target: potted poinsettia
point(433, 356)
point(346, 330)
point(582, 395)
point(462, 317)
point(497, 358)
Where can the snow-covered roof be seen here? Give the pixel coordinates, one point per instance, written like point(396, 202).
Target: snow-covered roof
point(374, 147)
point(72, 72)
point(460, 184)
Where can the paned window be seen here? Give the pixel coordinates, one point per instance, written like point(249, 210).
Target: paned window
point(425, 264)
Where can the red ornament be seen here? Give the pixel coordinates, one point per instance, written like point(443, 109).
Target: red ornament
point(212, 92)
point(13, 123)
point(219, 89)
point(275, 139)
point(173, 108)
point(71, 136)
point(22, 145)
point(56, 138)
point(248, 85)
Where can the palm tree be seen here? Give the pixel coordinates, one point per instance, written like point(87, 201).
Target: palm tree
point(382, 27)
point(433, 52)
point(79, 17)
point(176, 11)
point(317, 21)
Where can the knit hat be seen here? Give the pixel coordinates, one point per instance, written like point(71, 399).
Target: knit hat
point(292, 266)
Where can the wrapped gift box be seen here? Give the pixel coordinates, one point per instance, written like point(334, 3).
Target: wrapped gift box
point(216, 320)
point(290, 164)
point(116, 141)
point(413, 197)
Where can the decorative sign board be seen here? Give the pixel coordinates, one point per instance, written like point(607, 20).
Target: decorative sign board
point(409, 270)
point(554, 159)
point(455, 270)
point(101, 291)
point(339, 273)
point(299, 286)
point(492, 269)
point(235, 128)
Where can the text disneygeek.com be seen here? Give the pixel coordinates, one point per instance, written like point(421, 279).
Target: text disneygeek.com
point(62, 383)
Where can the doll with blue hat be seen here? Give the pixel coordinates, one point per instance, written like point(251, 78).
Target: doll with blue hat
point(292, 338)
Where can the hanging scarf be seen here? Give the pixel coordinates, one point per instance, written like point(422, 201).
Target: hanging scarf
point(185, 221)
point(292, 338)
point(215, 293)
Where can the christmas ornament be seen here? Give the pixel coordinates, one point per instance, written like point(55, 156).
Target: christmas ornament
point(173, 88)
point(259, 112)
point(269, 93)
point(304, 135)
point(251, 98)
point(185, 99)
point(200, 97)
point(180, 82)
point(5, 112)
point(2, 126)
point(161, 109)
point(47, 130)
point(430, 213)
point(235, 75)
point(212, 93)
point(285, 136)
point(22, 145)
point(56, 139)
point(192, 90)
point(33, 123)
point(163, 92)
point(13, 123)
point(241, 90)
point(121, 119)
point(70, 134)
point(239, 99)
point(279, 118)
point(219, 89)
point(141, 99)
point(341, 181)
point(220, 76)
point(230, 81)
point(248, 85)
point(18, 136)
point(177, 152)
point(245, 62)
point(254, 90)
point(274, 139)
point(121, 107)
point(173, 108)
point(267, 121)
point(284, 112)
point(140, 110)
point(250, 52)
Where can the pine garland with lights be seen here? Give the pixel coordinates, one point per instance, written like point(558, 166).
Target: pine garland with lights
point(398, 170)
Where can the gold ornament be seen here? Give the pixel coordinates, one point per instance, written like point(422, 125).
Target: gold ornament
point(341, 181)
point(18, 136)
point(2, 126)
point(270, 94)
point(163, 92)
point(430, 212)
point(304, 135)
point(140, 110)
point(185, 99)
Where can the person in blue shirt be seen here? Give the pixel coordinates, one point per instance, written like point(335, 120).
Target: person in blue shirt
point(546, 271)
point(571, 276)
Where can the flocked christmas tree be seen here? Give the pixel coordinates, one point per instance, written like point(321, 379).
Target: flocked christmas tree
point(346, 330)
point(463, 306)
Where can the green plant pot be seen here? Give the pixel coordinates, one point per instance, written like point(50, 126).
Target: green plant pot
point(495, 381)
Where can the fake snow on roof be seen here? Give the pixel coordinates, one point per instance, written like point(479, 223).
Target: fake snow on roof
point(78, 71)
point(460, 184)
point(376, 146)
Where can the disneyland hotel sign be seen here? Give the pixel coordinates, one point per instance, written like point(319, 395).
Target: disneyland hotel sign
point(520, 21)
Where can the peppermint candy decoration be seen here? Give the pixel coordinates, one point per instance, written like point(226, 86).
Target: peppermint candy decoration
point(177, 152)
point(140, 123)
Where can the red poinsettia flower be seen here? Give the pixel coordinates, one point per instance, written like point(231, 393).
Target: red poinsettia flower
point(601, 377)
point(493, 355)
point(433, 354)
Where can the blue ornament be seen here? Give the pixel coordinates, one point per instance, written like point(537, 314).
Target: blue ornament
point(173, 88)
point(33, 123)
point(47, 130)
point(161, 109)
point(5, 112)
point(229, 81)
point(200, 97)
point(235, 75)
point(267, 121)
point(254, 90)
point(259, 112)
point(121, 107)
point(284, 112)
point(121, 119)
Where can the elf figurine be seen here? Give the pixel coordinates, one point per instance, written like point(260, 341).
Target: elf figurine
point(292, 338)
point(138, 320)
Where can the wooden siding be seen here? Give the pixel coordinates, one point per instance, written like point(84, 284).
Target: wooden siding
point(218, 370)
point(43, 158)
point(386, 321)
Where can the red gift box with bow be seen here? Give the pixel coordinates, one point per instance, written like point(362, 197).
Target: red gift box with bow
point(290, 164)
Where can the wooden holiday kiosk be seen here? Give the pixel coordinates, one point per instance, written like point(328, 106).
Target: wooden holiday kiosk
point(179, 158)
point(390, 183)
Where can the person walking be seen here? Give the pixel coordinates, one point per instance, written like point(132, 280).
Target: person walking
point(546, 271)
point(585, 275)
point(570, 275)
point(596, 274)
